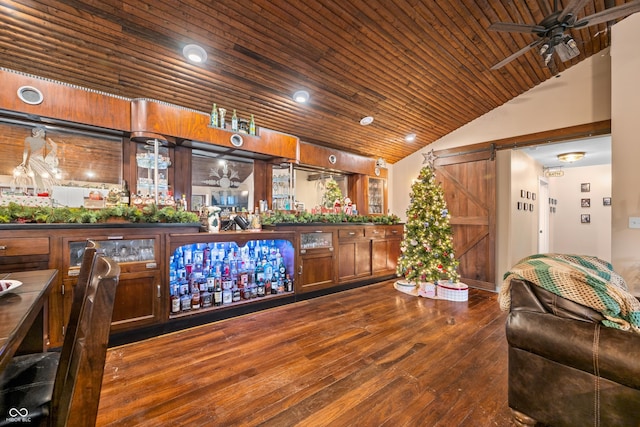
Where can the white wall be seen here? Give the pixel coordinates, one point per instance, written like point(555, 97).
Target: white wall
point(569, 234)
point(625, 148)
point(581, 95)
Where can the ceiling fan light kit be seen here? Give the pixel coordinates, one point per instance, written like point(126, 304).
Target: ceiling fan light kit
point(571, 157)
point(551, 30)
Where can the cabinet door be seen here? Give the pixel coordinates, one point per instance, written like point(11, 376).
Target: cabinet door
point(138, 300)
point(393, 253)
point(379, 254)
point(138, 295)
point(315, 270)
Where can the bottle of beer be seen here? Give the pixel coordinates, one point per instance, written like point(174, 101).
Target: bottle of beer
point(214, 116)
point(234, 122)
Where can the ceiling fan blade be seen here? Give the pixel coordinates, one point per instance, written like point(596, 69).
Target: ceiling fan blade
point(572, 8)
point(609, 14)
point(513, 27)
point(517, 54)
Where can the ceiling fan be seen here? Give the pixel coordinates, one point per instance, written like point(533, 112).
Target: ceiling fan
point(552, 29)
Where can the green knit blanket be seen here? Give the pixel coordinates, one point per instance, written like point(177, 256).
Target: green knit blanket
point(586, 280)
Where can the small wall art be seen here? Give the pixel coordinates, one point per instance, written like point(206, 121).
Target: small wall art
point(519, 206)
point(606, 201)
point(585, 203)
point(585, 187)
point(585, 218)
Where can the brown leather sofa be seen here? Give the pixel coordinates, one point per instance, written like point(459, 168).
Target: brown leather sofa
point(565, 368)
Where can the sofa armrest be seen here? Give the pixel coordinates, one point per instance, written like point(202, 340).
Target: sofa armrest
point(526, 296)
point(577, 344)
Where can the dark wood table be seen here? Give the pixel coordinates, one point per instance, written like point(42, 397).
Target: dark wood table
point(23, 314)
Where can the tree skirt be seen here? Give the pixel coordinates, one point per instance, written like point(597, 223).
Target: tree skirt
point(447, 291)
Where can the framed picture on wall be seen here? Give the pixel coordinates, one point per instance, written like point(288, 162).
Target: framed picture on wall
point(585, 218)
point(585, 187)
point(528, 194)
point(585, 203)
point(531, 207)
point(533, 196)
point(523, 194)
point(519, 206)
point(606, 201)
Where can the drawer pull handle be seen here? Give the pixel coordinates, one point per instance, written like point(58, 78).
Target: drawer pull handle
point(352, 233)
point(3, 248)
point(159, 292)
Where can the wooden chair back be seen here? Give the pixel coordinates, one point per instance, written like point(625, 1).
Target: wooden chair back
point(76, 307)
point(76, 393)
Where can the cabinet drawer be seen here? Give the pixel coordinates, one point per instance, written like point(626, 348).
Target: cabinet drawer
point(351, 233)
point(374, 232)
point(24, 246)
point(395, 231)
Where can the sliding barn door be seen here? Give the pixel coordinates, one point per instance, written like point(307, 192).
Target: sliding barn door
point(468, 181)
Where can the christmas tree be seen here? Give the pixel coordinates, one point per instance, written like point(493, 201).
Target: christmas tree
point(332, 193)
point(427, 248)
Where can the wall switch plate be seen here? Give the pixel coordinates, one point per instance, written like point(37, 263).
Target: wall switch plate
point(634, 222)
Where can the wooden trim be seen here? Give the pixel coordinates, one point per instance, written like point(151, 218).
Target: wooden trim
point(153, 117)
point(545, 137)
point(65, 103)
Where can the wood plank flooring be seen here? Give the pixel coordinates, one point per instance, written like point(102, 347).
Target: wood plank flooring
point(370, 356)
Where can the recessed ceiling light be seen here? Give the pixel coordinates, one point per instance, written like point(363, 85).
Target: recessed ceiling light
point(366, 120)
point(194, 53)
point(571, 157)
point(410, 138)
point(301, 96)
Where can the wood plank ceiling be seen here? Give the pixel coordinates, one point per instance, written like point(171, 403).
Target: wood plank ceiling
point(418, 67)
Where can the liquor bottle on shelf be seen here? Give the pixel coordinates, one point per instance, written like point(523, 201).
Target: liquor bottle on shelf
point(175, 298)
point(214, 116)
point(252, 126)
point(195, 296)
point(288, 283)
point(185, 302)
point(227, 296)
point(217, 294)
point(206, 298)
point(260, 289)
point(125, 195)
point(234, 122)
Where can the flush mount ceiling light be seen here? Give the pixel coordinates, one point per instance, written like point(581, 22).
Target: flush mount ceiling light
point(194, 53)
point(366, 120)
point(571, 157)
point(301, 96)
point(410, 138)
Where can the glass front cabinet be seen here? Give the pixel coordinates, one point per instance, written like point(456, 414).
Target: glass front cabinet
point(215, 271)
point(138, 296)
point(376, 195)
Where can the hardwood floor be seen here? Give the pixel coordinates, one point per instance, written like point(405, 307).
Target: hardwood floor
point(370, 356)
